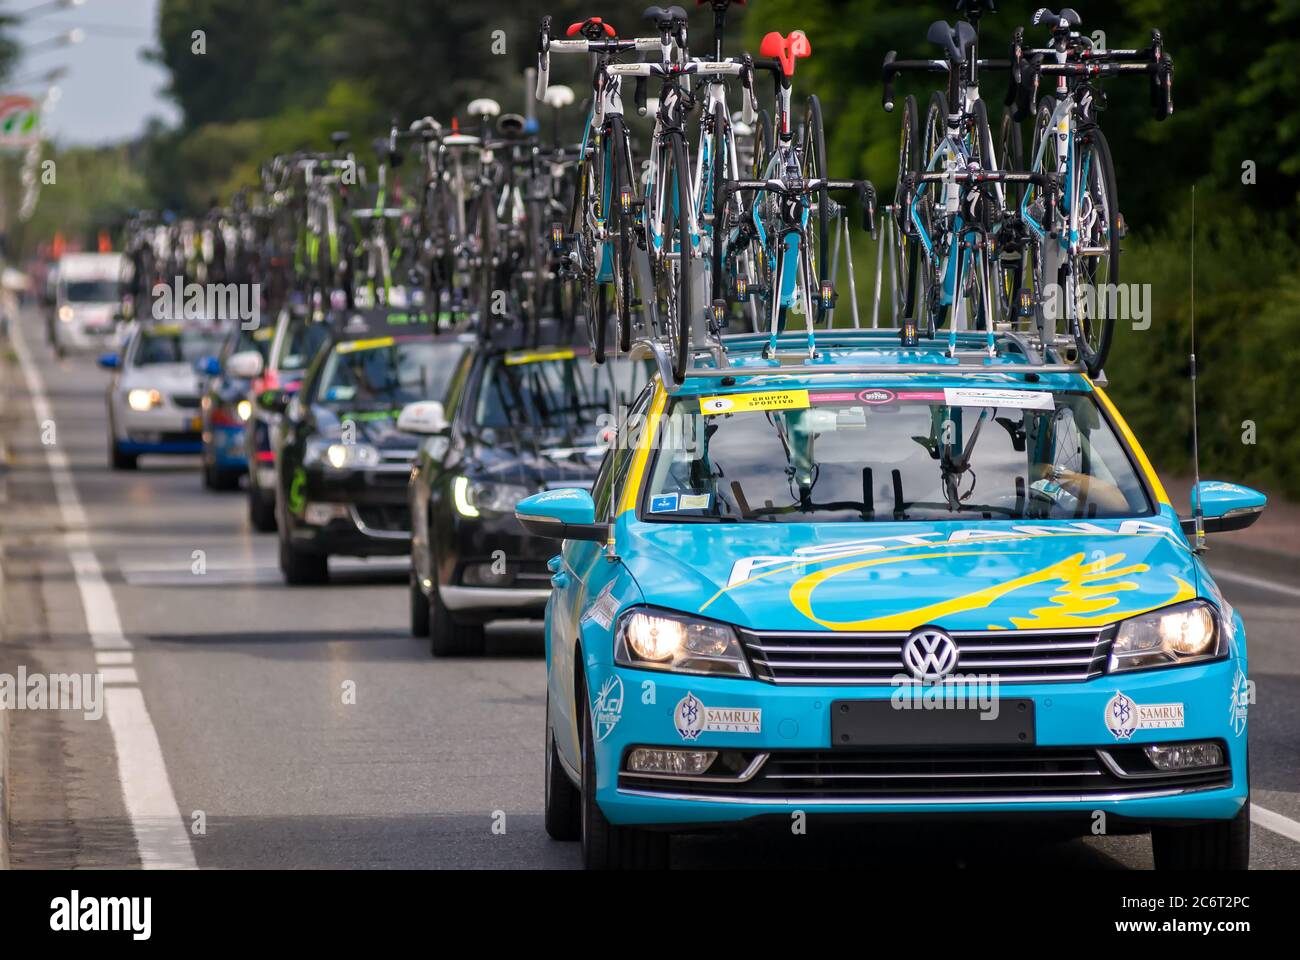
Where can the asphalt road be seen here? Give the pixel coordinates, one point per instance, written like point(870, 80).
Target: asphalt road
point(435, 763)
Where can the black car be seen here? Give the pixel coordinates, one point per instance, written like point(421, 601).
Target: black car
point(341, 466)
point(517, 421)
point(225, 407)
point(298, 336)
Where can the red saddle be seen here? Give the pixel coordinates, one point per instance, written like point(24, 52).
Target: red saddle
point(786, 49)
point(591, 28)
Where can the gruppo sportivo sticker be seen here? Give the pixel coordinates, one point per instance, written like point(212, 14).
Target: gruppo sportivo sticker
point(691, 718)
point(1123, 716)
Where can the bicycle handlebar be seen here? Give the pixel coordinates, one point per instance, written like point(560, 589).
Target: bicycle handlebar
point(865, 190)
point(546, 44)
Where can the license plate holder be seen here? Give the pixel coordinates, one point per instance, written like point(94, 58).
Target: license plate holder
point(880, 723)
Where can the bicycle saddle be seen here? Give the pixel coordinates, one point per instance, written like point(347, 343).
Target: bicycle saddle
point(483, 107)
point(511, 125)
point(1057, 21)
point(664, 18)
point(786, 49)
point(955, 40)
point(558, 96)
point(593, 28)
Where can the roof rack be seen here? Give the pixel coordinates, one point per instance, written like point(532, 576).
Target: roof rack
point(749, 355)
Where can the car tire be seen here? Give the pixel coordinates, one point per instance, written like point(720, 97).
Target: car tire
point(419, 609)
point(1216, 845)
point(301, 568)
point(608, 846)
point(215, 478)
point(119, 460)
point(563, 800)
point(261, 509)
point(447, 637)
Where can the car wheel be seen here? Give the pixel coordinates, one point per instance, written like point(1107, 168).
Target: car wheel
point(215, 478)
point(563, 799)
point(419, 609)
point(447, 638)
point(607, 846)
point(119, 460)
point(261, 509)
point(301, 568)
point(1217, 845)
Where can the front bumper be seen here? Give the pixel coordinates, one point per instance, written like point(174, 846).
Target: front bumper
point(164, 429)
point(225, 447)
point(1076, 767)
point(375, 520)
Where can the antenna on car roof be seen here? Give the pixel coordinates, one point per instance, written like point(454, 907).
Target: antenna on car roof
point(1198, 513)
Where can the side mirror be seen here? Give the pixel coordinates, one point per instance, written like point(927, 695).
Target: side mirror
point(207, 366)
point(109, 361)
point(564, 514)
point(274, 400)
point(1225, 507)
point(244, 365)
point(425, 418)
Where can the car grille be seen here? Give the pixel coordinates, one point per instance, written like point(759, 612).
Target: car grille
point(987, 774)
point(865, 659)
point(185, 402)
point(389, 517)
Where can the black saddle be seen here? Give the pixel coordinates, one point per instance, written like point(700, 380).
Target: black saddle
point(1057, 21)
point(956, 41)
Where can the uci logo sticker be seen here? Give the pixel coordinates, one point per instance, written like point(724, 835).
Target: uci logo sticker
point(608, 709)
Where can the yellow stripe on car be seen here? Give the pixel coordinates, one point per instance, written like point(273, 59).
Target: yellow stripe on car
point(636, 475)
point(536, 356)
point(352, 346)
point(1133, 444)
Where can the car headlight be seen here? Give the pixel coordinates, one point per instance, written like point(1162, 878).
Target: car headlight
point(66, 313)
point(340, 456)
point(244, 409)
point(141, 400)
point(1184, 633)
point(658, 640)
point(473, 497)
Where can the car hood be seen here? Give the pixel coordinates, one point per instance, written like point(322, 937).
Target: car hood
point(895, 577)
point(540, 468)
point(171, 378)
point(376, 427)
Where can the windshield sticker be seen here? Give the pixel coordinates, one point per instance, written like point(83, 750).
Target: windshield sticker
point(694, 501)
point(1011, 399)
point(352, 346)
point(536, 356)
point(1123, 716)
point(664, 503)
point(744, 402)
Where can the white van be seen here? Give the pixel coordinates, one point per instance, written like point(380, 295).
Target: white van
point(87, 300)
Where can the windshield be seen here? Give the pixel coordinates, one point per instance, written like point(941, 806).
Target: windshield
point(800, 456)
point(387, 372)
point(300, 343)
point(92, 291)
point(176, 345)
point(553, 394)
point(256, 338)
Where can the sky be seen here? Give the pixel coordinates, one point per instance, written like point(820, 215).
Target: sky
point(109, 91)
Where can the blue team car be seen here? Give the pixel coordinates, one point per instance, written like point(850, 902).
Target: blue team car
point(888, 582)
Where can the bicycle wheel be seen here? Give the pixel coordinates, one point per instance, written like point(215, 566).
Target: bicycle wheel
point(715, 215)
point(929, 303)
point(1011, 258)
point(908, 251)
point(983, 273)
point(1095, 269)
point(1044, 261)
point(672, 270)
point(813, 155)
point(620, 220)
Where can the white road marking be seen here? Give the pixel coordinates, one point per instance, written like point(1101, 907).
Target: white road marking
point(113, 658)
point(1258, 582)
point(119, 675)
point(160, 833)
point(1275, 822)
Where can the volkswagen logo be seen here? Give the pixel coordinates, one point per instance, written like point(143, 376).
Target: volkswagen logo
point(930, 654)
